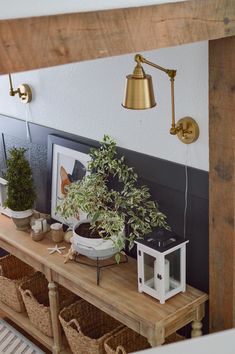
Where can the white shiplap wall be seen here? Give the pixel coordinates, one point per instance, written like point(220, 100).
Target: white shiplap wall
point(85, 99)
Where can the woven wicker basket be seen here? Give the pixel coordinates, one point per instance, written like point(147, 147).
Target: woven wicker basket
point(175, 337)
point(128, 341)
point(125, 341)
point(12, 273)
point(35, 295)
point(86, 327)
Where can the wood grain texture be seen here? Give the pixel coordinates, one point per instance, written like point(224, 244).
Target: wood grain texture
point(221, 181)
point(117, 294)
point(37, 42)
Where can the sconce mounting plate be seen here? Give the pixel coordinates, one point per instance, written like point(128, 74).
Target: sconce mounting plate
point(26, 93)
point(188, 130)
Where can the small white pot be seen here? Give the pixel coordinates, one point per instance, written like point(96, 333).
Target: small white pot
point(22, 219)
point(21, 214)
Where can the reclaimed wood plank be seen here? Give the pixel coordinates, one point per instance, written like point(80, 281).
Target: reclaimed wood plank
point(32, 43)
point(221, 183)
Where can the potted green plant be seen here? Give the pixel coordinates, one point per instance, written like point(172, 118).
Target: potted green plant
point(20, 189)
point(117, 214)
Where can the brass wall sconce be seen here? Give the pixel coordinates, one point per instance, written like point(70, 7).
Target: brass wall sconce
point(139, 94)
point(24, 91)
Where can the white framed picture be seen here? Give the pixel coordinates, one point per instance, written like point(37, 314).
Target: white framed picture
point(68, 161)
point(3, 196)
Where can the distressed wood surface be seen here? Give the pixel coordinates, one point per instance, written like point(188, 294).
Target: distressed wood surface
point(37, 42)
point(221, 181)
point(117, 294)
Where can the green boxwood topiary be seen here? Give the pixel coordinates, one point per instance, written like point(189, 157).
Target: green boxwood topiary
point(20, 188)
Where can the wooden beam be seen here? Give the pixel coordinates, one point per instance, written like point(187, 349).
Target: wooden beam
point(37, 42)
point(221, 180)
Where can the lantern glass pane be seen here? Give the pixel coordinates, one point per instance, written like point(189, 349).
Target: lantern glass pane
point(149, 270)
point(172, 271)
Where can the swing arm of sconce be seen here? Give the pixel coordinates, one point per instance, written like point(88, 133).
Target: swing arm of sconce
point(24, 91)
point(186, 128)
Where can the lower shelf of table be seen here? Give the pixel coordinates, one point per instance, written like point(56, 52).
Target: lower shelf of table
point(21, 320)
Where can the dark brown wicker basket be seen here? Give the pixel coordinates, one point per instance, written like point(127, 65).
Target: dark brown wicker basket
point(12, 273)
point(86, 327)
point(128, 341)
point(35, 295)
point(125, 341)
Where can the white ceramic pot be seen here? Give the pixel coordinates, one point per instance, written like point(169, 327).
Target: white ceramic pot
point(92, 247)
point(21, 214)
point(22, 219)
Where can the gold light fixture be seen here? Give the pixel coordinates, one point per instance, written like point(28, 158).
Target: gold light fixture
point(24, 91)
point(139, 94)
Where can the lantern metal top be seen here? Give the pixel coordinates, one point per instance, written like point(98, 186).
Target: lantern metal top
point(162, 240)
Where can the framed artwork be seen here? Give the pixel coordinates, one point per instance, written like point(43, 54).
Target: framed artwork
point(67, 163)
point(3, 196)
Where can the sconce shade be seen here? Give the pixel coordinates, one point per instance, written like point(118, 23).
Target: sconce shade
point(139, 92)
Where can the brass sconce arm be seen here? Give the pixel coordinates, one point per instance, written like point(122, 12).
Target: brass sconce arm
point(139, 95)
point(140, 59)
point(12, 91)
point(24, 91)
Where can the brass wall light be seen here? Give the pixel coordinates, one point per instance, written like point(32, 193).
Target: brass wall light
point(24, 91)
point(139, 94)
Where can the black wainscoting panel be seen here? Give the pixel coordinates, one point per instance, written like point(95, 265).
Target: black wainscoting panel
point(165, 179)
point(167, 173)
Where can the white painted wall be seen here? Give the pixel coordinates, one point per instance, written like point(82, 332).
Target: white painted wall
point(85, 99)
point(28, 8)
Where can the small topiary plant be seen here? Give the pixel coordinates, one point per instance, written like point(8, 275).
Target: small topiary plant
point(20, 189)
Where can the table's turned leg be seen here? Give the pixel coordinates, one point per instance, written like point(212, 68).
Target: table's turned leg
point(197, 323)
point(157, 337)
point(196, 329)
point(54, 308)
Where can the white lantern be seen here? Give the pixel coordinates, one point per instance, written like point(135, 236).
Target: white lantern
point(161, 264)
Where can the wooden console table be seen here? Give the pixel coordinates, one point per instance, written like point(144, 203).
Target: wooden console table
point(117, 294)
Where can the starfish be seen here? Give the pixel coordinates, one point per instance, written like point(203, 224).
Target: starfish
point(56, 249)
point(70, 255)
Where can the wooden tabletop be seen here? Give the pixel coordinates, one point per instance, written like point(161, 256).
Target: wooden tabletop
point(117, 293)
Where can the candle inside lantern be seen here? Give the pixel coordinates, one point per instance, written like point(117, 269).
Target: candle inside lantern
point(166, 279)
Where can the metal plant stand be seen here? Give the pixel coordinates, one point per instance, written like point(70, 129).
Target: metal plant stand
point(99, 263)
